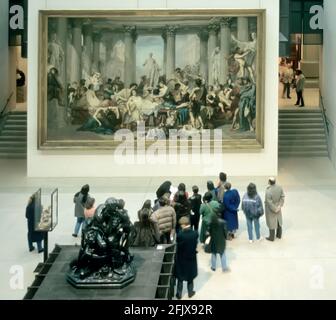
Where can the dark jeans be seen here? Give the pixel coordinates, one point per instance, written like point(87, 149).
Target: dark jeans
point(299, 98)
point(286, 90)
point(165, 238)
point(30, 243)
point(194, 221)
point(190, 287)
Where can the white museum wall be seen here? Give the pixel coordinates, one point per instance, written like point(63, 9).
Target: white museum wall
point(329, 73)
point(103, 164)
point(4, 53)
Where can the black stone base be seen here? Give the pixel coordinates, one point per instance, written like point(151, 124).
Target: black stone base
point(118, 278)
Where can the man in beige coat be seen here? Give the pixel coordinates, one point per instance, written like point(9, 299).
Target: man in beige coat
point(274, 201)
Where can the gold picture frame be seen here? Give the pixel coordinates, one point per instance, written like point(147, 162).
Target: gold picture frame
point(62, 135)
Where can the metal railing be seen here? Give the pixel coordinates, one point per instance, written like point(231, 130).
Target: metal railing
point(325, 121)
point(3, 111)
point(324, 112)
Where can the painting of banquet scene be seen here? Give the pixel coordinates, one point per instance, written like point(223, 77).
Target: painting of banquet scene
point(168, 72)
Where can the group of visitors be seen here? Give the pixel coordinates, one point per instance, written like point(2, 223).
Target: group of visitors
point(175, 217)
point(290, 78)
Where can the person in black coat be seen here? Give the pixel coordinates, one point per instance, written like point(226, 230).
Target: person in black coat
point(181, 207)
point(33, 236)
point(185, 260)
point(195, 202)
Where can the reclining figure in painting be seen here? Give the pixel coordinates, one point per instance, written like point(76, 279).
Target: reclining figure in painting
point(104, 259)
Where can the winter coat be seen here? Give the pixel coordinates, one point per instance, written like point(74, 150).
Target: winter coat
point(274, 198)
point(146, 235)
point(252, 207)
point(182, 210)
point(185, 259)
point(30, 215)
point(206, 210)
point(79, 205)
point(165, 218)
point(218, 234)
point(231, 201)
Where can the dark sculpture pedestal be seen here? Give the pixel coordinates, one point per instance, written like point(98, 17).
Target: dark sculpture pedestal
point(104, 278)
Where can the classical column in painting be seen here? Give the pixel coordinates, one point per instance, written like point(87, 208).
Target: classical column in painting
point(62, 105)
point(243, 29)
point(77, 44)
point(129, 55)
point(134, 38)
point(87, 52)
point(212, 44)
point(170, 64)
point(62, 37)
point(164, 37)
point(225, 44)
point(203, 36)
point(96, 51)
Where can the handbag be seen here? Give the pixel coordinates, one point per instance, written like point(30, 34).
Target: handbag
point(207, 246)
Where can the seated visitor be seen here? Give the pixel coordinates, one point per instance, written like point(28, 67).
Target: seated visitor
point(186, 259)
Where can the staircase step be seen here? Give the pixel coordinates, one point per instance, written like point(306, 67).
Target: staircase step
point(302, 121)
point(17, 113)
point(292, 142)
point(6, 155)
point(301, 110)
point(13, 138)
point(12, 150)
point(301, 131)
point(6, 132)
point(8, 126)
point(302, 148)
point(300, 126)
point(14, 121)
point(304, 154)
point(4, 143)
point(301, 135)
point(18, 117)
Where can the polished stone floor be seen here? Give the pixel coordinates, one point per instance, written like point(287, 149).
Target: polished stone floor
point(300, 266)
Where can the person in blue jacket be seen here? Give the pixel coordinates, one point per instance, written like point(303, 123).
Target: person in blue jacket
point(231, 201)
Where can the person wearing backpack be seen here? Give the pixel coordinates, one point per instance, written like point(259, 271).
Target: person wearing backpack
point(253, 209)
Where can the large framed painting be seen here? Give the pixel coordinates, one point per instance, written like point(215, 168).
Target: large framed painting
point(181, 73)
